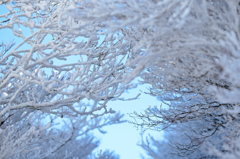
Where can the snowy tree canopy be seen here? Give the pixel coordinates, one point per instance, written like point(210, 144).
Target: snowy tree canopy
point(71, 50)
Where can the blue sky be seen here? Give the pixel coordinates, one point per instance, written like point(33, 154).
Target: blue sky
point(121, 138)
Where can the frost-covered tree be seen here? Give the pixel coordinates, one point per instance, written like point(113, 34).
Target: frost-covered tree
point(58, 62)
point(31, 137)
point(61, 62)
point(188, 50)
point(194, 72)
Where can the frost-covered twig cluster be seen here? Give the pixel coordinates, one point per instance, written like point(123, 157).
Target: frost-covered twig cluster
point(30, 138)
point(58, 62)
point(63, 62)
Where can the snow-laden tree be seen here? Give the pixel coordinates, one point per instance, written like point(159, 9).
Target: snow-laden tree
point(58, 62)
point(194, 70)
point(188, 50)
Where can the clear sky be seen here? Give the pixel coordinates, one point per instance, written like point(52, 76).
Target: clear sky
point(121, 138)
